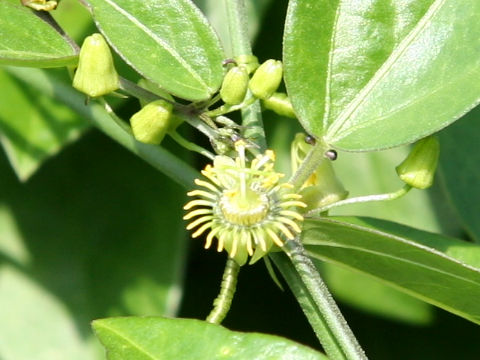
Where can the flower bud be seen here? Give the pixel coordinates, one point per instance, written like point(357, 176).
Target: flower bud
point(96, 74)
point(234, 86)
point(175, 121)
point(152, 122)
point(418, 169)
point(323, 187)
point(280, 103)
point(266, 79)
point(249, 62)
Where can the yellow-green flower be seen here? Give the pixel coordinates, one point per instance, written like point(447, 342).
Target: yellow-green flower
point(243, 205)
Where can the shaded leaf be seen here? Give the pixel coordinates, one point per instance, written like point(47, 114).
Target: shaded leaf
point(97, 231)
point(175, 46)
point(26, 40)
point(460, 169)
point(33, 126)
point(374, 173)
point(157, 156)
point(216, 13)
point(372, 75)
point(159, 338)
point(442, 271)
point(372, 296)
point(35, 324)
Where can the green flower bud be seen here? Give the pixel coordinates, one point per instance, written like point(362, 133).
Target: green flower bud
point(234, 86)
point(96, 74)
point(175, 121)
point(325, 189)
point(152, 122)
point(322, 187)
point(266, 79)
point(280, 103)
point(418, 169)
point(249, 62)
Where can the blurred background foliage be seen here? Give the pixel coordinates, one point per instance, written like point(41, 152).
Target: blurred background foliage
point(94, 231)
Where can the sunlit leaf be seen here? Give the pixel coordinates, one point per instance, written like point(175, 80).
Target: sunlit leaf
point(27, 40)
point(159, 338)
point(174, 46)
point(371, 75)
point(440, 270)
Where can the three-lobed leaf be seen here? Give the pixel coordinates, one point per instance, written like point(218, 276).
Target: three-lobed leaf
point(27, 40)
point(372, 75)
point(155, 338)
point(168, 42)
point(440, 270)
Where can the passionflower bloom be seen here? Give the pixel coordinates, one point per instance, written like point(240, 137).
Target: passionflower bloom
point(243, 205)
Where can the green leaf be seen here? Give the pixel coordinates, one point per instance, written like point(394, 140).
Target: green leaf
point(379, 74)
point(152, 338)
point(27, 40)
point(96, 233)
point(459, 167)
point(372, 296)
point(35, 324)
point(376, 171)
point(215, 11)
point(33, 126)
point(168, 42)
point(157, 156)
point(441, 271)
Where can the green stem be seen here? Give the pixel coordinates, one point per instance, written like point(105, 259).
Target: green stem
point(240, 44)
point(339, 342)
point(363, 199)
point(222, 303)
point(190, 145)
point(309, 165)
point(225, 108)
point(46, 83)
point(308, 305)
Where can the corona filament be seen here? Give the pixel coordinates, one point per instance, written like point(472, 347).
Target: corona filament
point(243, 205)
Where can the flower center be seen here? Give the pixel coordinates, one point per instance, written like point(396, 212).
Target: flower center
point(246, 207)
